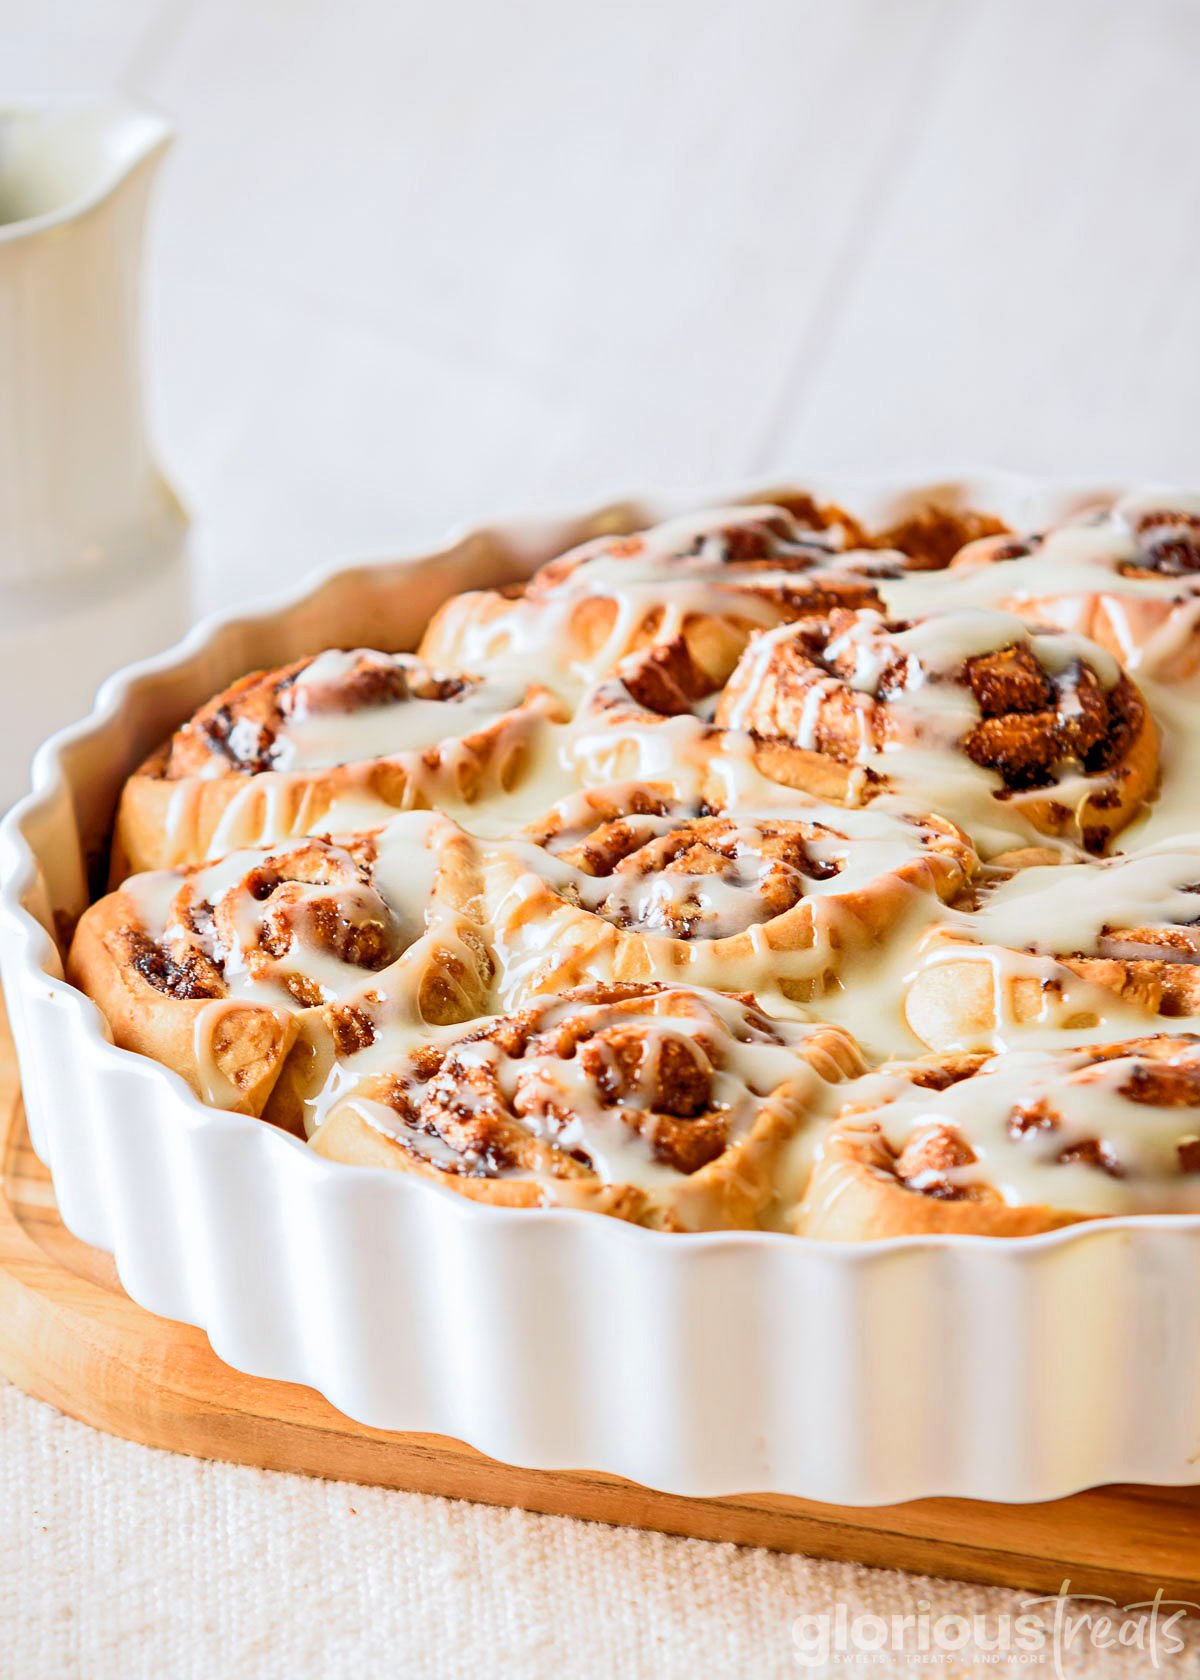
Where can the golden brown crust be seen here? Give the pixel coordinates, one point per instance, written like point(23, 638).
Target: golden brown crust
point(856, 1195)
point(964, 995)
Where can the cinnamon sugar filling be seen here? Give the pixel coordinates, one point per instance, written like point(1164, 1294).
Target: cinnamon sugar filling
point(1033, 722)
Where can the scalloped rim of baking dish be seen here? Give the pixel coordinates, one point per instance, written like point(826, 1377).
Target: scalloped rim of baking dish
point(520, 533)
point(701, 1364)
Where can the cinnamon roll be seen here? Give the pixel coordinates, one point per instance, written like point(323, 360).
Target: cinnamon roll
point(966, 709)
point(929, 536)
point(924, 535)
point(703, 582)
point(925, 539)
point(1129, 579)
point(1012, 1145)
point(664, 1105)
point(331, 742)
point(225, 971)
point(623, 884)
point(1065, 947)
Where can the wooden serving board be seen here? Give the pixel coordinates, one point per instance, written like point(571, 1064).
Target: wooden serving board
point(70, 1335)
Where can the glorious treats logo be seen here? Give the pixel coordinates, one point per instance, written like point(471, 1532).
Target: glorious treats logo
point(1043, 1634)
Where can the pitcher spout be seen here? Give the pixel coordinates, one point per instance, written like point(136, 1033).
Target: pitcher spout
point(58, 162)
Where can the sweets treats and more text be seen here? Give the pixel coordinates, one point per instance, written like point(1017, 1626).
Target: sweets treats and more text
point(760, 870)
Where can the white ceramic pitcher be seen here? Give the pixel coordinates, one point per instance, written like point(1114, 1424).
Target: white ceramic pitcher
point(92, 564)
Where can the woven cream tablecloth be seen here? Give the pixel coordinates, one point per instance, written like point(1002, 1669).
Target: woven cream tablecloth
point(118, 1561)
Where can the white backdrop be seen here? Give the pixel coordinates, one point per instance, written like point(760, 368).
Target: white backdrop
point(415, 263)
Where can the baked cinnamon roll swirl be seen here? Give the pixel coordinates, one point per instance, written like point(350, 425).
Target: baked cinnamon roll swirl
point(1064, 948)
point(331, 742)
point(663, 1105)
point(704, 583)
point(624, 884)
point(848, 705)
point(1014, 1145)
point(1129, 579)
point(224, 971)
point(924, 535)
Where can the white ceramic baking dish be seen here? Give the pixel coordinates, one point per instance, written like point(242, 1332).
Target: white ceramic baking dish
point(707, 1364)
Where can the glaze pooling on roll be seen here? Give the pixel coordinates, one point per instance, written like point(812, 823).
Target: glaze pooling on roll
point(1127, 576)
point(701, 583)
point(301, 924)
point(1099, 945)
point(329, 744)
point(624, 884)
point(1013, 1144)
point(341, 707)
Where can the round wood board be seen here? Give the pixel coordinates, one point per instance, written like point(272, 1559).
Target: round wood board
point(71, 1336)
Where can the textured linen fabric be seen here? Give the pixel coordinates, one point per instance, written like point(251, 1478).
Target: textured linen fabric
point(121, 1561)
